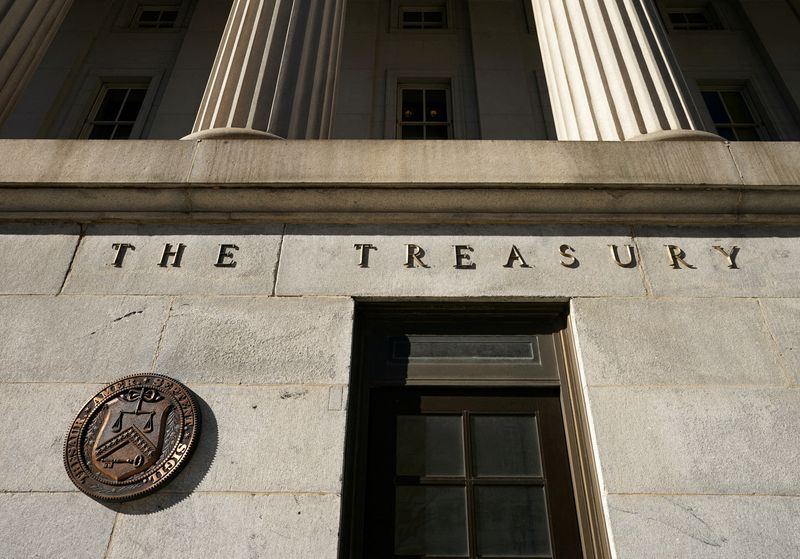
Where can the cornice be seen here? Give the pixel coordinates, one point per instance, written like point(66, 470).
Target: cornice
point(386, 181)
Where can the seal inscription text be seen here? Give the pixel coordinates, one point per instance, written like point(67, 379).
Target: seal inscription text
point(132, 437)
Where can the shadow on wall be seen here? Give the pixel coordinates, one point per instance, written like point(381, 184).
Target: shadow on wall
point(188, 479)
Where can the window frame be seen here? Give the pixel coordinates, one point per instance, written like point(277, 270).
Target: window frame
point(397, 7)
point(761, 123)
point(377, 319)
point(448, 124)
point(423, 25)
point(160, 8)
point(124, 21)
point(399, 77)
point(706, 7)
point(106, 85)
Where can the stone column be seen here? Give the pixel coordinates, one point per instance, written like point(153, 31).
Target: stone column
point(275, 71)
point(611, 73)
point(26, 29)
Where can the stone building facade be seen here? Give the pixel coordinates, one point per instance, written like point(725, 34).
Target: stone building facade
point(563, 322)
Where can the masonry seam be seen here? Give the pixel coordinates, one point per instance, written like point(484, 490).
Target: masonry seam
point(278, 262)
point(187, 189)
point(81, 234)
point(648, 290)
point(740, 193)
point(161, 334)
point(111, 536)
point(776, 346)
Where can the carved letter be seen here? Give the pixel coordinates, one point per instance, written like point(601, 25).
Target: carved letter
point(631, 263)
point(677, 257)
point(572, 262)
point(462, 258)
point(121, 249)
point(731, 256)
point(513, 257)
point(363, 260)
point(225, 252)
point(414, 255)
point(174, 254)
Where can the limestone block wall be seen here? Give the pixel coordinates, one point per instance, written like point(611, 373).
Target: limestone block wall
point(270, 374)
point(690, 374)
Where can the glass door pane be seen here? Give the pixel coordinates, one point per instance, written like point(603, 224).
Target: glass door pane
point(430, 445)
point(430, 520)
point(505, 446)
point(512, 521)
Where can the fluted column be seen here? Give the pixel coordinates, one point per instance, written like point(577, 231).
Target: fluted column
point(275, 71)
point(26, 29)
point(611, 73)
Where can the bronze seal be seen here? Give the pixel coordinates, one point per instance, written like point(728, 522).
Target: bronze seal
point(132, 437)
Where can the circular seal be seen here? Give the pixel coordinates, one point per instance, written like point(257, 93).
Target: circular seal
point(132, 437)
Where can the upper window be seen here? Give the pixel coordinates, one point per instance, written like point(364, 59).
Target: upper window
point(156, 17)
point(424, 113)
point(733, 114)
point(420, 14)
point(689, 15)
point(423, 17)
point(692, 19)
point(115, 112)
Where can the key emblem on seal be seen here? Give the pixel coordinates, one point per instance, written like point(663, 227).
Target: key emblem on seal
point(132, 437)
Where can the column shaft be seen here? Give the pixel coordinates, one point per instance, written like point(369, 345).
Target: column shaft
point(274, 74)
point(27, 28)
point(611, 73)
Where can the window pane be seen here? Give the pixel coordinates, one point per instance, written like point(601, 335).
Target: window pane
point(434, 19)
point(436, 132)
point(412, 105)
point(737, 107)
point(506, 445)
point(746, 134)
point(436, 105)
point(430, 445)
point(123, 132)
point(168, 16)
point(512, 521)
point(430, 520)
point(411, 132)
point(415, 17)
point(726, 132)
point(697, 18)
point(132, 105)
point(101, 132)
point(676, 18)
point(715, 107)
point(112, 103)
point(149, 15)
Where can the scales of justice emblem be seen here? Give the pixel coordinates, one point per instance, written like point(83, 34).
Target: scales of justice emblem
point(131, 437)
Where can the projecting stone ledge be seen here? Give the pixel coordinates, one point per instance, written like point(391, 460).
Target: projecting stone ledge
point(383, 181)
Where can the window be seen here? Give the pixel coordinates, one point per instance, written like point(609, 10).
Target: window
point(423, 18)
point(424, 113)
point(692, 19)
point(155, 17)
point(733, 114)
point(416, 15)
point(458, 445)
point(115, 112)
